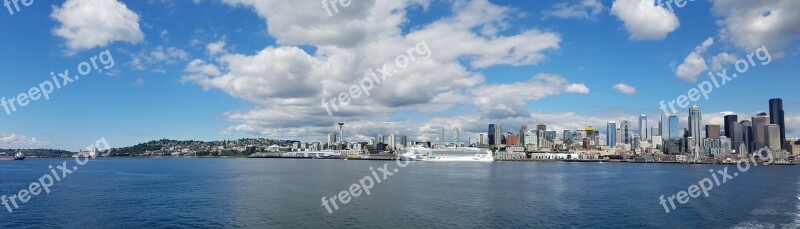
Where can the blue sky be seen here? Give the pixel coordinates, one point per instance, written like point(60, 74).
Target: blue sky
point(225, 69)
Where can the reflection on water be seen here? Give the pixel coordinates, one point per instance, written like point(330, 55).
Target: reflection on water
point(231, 193)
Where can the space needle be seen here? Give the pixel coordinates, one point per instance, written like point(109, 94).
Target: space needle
point(341, 132)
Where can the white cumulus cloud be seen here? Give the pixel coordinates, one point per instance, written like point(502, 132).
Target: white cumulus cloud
point(644, 20)
point(87, 24)
point(625, 89)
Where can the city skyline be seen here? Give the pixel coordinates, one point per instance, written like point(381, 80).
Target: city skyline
point(178, 75)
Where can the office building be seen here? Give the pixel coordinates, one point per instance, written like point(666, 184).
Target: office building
point(772, 136)
point(712, 131)
point(760, 121)
point(490, 134)
point(522, 130)
point(611, 134)
point(643, 127)
point(664, 127)
point(627, 136)
point(403, 140)
point(331, 138)
point(776, 116)
point(729, 119)
point(747, 135)
point(695, 120)
point(674, 127)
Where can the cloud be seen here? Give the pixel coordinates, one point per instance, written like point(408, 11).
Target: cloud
point(287, 84)
point(752, 24)
point(694, 64)
point(87, 24)
point(625, 89)
point(585, 9)
point(157, 58)
point(21, 141)
point(510, 100)
point(576, 88)
point(215, 48)
point(644, 20)
point(722, 59)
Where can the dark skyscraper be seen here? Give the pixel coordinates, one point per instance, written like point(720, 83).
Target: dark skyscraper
point(776, 116)
point(490, 133)
point(728, 126)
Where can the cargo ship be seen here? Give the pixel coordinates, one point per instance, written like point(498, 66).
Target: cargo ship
point(17, 157)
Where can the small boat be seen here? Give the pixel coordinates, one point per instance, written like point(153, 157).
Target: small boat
point(17, 157)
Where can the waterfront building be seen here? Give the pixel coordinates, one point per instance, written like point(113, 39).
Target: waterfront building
point(625, 127)
point(695, 120)
point(513, 140)
point(772, 136)
point(392, 142)
point(531, 140)
point(331, 138)
point(490, 134)
point(522, 130)
point(643, 127)
point(611, 134)
point(777, 116)
point(759, 121)
point(747, 134)
point(403, 140)
point(713, 131)
point(498, 134)
point(664, 127)
point(730, 121)
point(674, 127)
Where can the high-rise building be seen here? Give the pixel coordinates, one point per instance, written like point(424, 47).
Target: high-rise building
point(522, 130)
point(747, 135)
point(512, 139)
point(654, 131)
point(776, 116)
point(636, 141)
point(441, 137)
point(569, 137)
point(498, 134)
point(627, 136)
point(729, 119)
point(480, 139)
point(490, 134)
point(674, 127)
point(712, 131)
point(532, 139)
point(643, 127)
point(456, 136)
point(392, 142)
point(403, 140)
point(380, 139)
point(773, 136)
point(619, 136)
point(611, 134)
point(760, 121)
point(695, 120)
point(331, 138)
point(737, 134)
point(663, 127)
point(541, 127)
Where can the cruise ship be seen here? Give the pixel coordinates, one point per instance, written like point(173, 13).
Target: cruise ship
point(17, 157)
point(454, 154)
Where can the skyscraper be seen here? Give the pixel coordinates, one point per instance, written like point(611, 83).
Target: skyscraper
point(643, 126)
point(695, 120)
point(480, 139)
point(776, 116)
point(626, 132)
point(611, 134)
point(456, 136)
point(674, 127)
point(490, 134)
point(392, 142)
point(331, 138)
point(747, 135)
point(773, 136)
point(498, 134)
point(522, 130)
point(760, 121)
point(441, 137)
point(728, 126)
point(403, 140)
point(712, 131)
point(664, 128)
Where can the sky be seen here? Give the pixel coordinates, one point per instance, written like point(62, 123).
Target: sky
point(229, 69)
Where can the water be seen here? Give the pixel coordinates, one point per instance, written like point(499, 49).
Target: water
point(284, 193)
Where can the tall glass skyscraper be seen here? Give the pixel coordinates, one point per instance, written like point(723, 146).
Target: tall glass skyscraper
point(664, 127)
point(695, 120)
point(611, 134)
point(490, 134)
point(776, 116)
point(674, 127)
point(625, 127)
point(643, 127)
